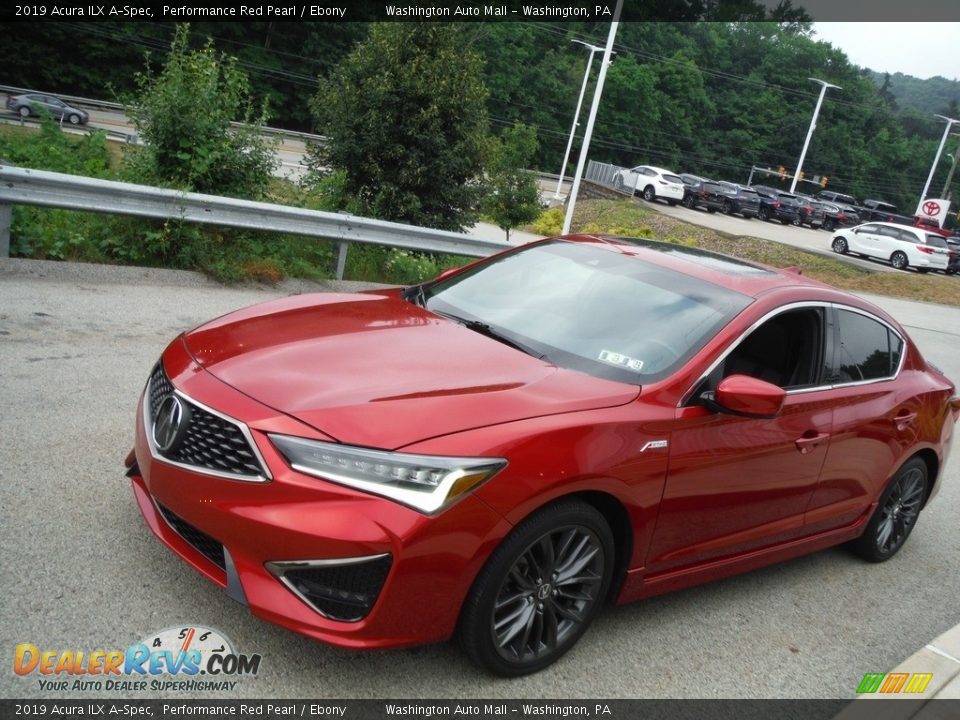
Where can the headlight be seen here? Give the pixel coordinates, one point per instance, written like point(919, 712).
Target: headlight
point(425, 482)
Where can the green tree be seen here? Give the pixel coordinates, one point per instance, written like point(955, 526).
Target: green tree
point(184, 115)
point(512, 196)
point(405, 116)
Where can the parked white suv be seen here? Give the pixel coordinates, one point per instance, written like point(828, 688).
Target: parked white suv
point(651, 182)
point(902, 245)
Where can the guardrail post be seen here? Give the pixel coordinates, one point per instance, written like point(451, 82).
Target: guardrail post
point(6, 219)
point(341, 259)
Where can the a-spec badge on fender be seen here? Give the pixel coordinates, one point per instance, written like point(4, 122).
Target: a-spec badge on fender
point(655, 445)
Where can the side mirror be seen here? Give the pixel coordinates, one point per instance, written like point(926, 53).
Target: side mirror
point(746, 396)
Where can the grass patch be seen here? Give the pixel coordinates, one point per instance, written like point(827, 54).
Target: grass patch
point(625, 217)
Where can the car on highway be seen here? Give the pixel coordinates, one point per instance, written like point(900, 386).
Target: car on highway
point(903, 246)
point(34, 104)
point(652, 183)
point(740, 200)
point(495, 454)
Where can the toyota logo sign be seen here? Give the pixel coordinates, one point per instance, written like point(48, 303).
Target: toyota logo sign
point(931, 208)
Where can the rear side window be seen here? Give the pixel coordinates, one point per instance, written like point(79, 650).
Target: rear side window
point(673, 179)
point(866, 349)
point(936, 241)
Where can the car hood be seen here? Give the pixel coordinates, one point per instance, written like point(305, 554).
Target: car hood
point(376, 370)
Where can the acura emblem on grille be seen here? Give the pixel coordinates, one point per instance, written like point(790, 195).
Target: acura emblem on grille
point(169, 423)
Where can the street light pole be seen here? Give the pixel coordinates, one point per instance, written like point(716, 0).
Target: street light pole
point(813, 125)
point(953, 167)
point(576, 115)
point(588, 133)
point(933, 168)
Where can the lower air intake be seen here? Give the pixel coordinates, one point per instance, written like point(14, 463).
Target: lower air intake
point(339, 590)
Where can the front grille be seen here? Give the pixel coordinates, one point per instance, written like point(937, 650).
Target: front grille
point(209, 441)
point(344, 592)
point(197, 539)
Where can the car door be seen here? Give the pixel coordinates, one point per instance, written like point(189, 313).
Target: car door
point(736, 484)
point(872, 424)
point(887, 241)
point(862, 239)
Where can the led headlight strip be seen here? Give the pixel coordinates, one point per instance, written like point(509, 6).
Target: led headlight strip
point(425, 482)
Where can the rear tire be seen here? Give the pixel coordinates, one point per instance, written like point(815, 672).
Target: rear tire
point(688, 202)
point(896, 514)
point(840, 246)
point(829, 225)
point(764, 214)
point(649, 194)
point(727, 208)
point(899, 260)
point(539, 590)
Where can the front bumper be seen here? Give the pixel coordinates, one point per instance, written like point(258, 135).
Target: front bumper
point(263, 527)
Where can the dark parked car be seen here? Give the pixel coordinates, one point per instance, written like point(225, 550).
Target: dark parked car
point(810, 212)
point(691, 187)
point(835, 216)
point(37, 103)
point(777, 205)
point(740, 200)
point(709, 195)
point(837, 198)
point(622, 418)
point(953, 267)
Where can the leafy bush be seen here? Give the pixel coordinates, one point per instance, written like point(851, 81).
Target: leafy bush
point(550, 222)
point(184, 115)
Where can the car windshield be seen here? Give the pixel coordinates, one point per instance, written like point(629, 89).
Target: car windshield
point(591, 308)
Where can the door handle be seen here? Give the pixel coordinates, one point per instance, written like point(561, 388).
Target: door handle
point(904, 419)
point(807, 443)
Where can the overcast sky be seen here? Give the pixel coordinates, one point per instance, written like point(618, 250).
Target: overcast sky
point(913, 48)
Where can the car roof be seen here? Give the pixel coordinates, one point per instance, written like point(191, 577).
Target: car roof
point(742, 276)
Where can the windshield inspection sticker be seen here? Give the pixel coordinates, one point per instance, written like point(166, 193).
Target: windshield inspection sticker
point(614, 358)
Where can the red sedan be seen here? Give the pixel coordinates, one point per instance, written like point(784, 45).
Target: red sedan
point(494, 454)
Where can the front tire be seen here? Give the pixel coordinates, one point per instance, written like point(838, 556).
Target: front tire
point(896, 514)
point(73, 119)
point(539, 590)
point(899, 260)
point(648, 193)
point(24, 111)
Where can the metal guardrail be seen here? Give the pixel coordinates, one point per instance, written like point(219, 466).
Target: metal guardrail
point(23, 186)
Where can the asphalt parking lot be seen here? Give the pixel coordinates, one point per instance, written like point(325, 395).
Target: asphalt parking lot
point(80, 570)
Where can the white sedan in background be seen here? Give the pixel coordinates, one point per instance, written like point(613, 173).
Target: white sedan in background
point(652, 182)
point(902, 245)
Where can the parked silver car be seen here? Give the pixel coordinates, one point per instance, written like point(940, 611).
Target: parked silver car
point(36, 103)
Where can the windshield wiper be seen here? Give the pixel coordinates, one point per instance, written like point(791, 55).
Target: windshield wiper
point(485, 329)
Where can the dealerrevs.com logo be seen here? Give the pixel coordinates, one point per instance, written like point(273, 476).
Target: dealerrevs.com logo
point(187, 659)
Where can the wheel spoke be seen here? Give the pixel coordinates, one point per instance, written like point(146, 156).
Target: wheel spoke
point(549, 558)
point(510, 599)
point(522, 580)
point(522, 621)
point(569, 613)
point(576, 565)
point(550, 626)
point(883, 534)
point(525, 641)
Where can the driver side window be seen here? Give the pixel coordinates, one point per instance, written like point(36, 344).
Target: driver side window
point(787, 351)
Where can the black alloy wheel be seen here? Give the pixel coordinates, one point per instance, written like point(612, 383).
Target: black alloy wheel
point(688, 201)
point(764, 214)
point(896, 514)
point(727, 208)
point(539, 591)
point(829, 224)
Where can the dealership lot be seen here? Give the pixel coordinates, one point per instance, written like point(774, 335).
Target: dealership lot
point(81, 570)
